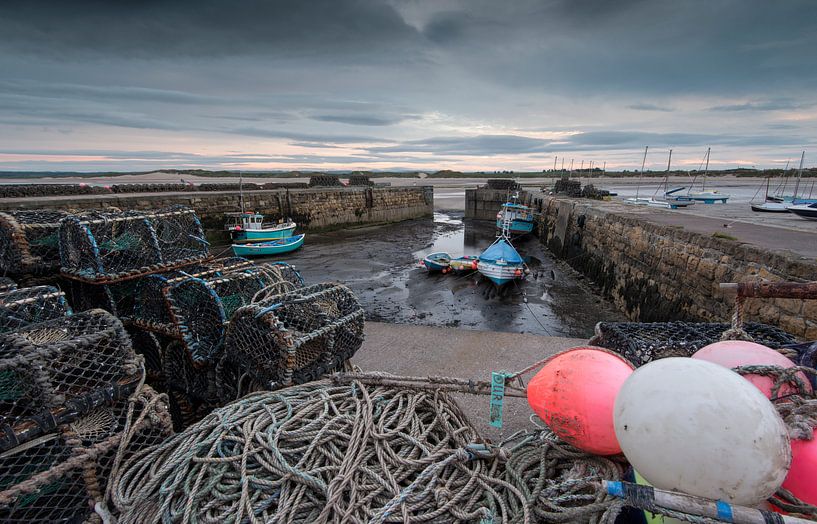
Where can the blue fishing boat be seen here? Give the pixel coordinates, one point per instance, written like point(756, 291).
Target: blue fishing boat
point(501, 263)
point(518, 217)
point(251, 227)
point(272, 247)
point(437, 261)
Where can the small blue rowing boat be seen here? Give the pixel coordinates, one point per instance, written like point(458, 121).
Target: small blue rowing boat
point(437, 261)
point(273, 247)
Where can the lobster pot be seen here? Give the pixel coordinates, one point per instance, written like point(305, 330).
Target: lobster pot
point(29, 242)
point(151, 308)
point(44, 365)
point(200, 308)
point(31, 305)
point(117, 299)
point(111, 247)
point(295, 337)
point(62, 475)
point(193, 390)
point(644, 342)
point(7, 284)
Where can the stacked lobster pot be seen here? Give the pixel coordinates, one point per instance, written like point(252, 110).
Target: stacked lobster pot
point(70, 407)
point(188, 310)
point(641, 342)
point(29, 244)
point(291, 338)
point(25, 306)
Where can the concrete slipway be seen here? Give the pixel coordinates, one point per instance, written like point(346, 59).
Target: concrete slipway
point(418, 351)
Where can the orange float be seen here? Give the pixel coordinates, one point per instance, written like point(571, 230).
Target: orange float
point(574, 394)
point(734, 353)
point(802, 477)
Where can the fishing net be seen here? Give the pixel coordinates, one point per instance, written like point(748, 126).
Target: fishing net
point(46, 364)
point(105, 247)
point(7, 284)
point(296, 337)
point(644, 342)
point(29, 241)
point(61, 476)
point(22, 307)
point(349, 451)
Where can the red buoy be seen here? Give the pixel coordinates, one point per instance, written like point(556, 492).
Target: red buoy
point(574, 394)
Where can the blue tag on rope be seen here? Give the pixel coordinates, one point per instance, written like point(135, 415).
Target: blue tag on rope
point(497, 397)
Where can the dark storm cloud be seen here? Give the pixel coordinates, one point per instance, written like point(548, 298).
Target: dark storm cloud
point(768, 105)
point(475, 145)
point(363, 120)
point(650, 107)
point(154, 28)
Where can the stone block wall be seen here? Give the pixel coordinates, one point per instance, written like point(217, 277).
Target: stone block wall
point(312, 208)
point(483, 203)
point(661, 273)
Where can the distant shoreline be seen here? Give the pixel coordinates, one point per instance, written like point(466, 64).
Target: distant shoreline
point(57, 177)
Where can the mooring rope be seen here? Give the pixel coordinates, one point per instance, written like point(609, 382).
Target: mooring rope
point(347, 451)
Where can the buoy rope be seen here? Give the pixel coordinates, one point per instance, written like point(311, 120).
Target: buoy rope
point(343, 450)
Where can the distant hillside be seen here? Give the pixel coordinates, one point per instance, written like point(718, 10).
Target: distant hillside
point(446, 173)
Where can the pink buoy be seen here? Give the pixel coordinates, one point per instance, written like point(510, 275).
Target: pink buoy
point(734, 353)
point(802, 477)
point(574, 394)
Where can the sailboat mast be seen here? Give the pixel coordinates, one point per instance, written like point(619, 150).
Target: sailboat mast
point(241, 190)
point(641, 175)
point(706, 169)
point(666, 177)
point(799, 176)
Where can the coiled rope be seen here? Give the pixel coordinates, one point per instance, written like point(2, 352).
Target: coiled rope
point(341, 450)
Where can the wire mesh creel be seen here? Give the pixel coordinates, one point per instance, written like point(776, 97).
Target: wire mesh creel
point(26, 306)
point(295, 337)
point(111, 247)
point(29, 242)
point(61, 476)
point(44, 365)
point(644, 342)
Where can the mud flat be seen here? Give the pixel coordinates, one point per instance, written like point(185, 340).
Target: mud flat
point(380, 264)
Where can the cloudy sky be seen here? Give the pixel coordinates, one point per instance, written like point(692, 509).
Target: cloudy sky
point(409, 84)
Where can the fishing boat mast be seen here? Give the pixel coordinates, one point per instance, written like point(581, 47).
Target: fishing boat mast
point(241, 190)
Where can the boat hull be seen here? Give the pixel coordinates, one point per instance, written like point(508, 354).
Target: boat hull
point(770, 207)
point(500, 274)
point(517, 227)
point(706, 198)
point(275, 247)
point(261, 235)
point(804, 211)
point(437, 261)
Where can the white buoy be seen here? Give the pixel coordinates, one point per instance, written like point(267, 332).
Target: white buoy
point(693, 426)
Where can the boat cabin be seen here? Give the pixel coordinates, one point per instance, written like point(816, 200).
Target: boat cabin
point(247, 221)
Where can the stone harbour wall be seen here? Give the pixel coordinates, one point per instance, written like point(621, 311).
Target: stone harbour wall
point(661, 273)
point(483, 203)
point(319, 208)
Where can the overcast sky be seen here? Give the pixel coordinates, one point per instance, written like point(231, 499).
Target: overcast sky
point(415, 84)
